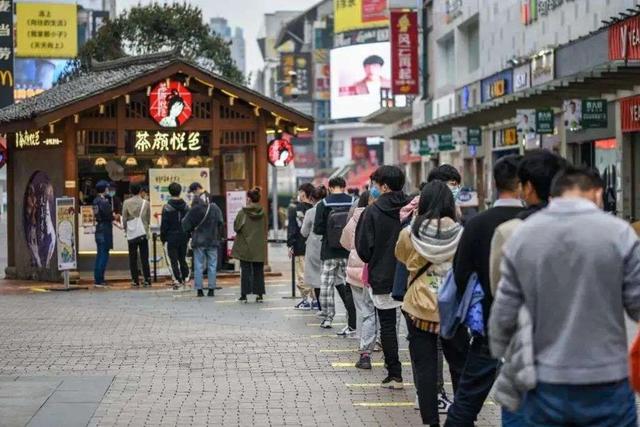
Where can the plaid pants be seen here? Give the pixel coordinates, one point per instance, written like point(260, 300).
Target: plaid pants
point(334, 273)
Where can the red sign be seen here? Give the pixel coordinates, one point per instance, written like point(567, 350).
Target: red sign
point(374, 10)
point(404, 52)
point(170, 104)
point(3, 152)
point(280, 151)
point(630, 112)
point(624, 39)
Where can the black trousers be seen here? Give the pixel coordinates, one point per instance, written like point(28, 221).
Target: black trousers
point(140, 244)
point(478, 376)
point(347, 298)
point(389, 340)
point(252, 278)
point(423, 349)
point(316, 291)
point(177, 252)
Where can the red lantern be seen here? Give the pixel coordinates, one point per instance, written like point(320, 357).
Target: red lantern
point(280, 151)
point(170, 104)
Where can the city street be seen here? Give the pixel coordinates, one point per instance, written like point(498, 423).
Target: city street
point(157, 357)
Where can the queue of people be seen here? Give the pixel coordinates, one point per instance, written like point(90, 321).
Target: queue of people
point(531, 281)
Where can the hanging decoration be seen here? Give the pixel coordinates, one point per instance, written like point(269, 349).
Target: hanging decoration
point(170, 103)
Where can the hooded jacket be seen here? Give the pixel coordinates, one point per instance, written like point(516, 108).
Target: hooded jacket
point(171, 221)
point(295, 216)
point(432, 245)
point(323, 208)
point(205, 232)
point(376, 236)
point(251, 234)
point(354, 264)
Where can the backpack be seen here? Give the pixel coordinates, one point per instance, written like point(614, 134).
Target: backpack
point(336, 222)
point(453, 312)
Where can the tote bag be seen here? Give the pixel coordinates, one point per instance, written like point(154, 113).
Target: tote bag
point(634, 364)
point(135, 227)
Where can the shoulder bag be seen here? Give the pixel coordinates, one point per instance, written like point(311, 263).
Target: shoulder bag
point(135, 227)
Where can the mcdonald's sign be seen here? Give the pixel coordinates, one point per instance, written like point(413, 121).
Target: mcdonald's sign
point(6, 78)
point(6, 53)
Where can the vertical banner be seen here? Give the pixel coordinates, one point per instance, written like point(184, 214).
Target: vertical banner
point(545, 121)
point(66, 233)
point(236, 200)
point(404, 52)
point(6, 53)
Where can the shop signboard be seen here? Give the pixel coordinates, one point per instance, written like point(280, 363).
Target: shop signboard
point(542, 68)
point(522, 77)
point(34, 138)
point(149, 141)
point(630, 114)
point(280, 151)
point(446, 142)
point(425, 150)
point(299, 65)
point(47, 30)
point(404, 52)
point(544, 121)
point(474, 137)
point(170, 103)
point(159, 181)
point(594, 113)
point(624, 39)
point(66, 233)
point(359, 14)
point(6, 53)
point(321, 75)
point(370, 35)
point(497, 85)
point(236, 200)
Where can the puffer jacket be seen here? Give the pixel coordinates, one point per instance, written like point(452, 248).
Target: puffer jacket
point(437, 247)
point(354, 264)
point(518, 373)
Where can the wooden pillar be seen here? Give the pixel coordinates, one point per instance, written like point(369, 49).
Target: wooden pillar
point(70, 159)
point(120, 131)
point(12, 203)
point(261, 179)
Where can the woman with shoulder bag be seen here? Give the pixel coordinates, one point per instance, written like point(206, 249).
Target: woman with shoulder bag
point(427, 248)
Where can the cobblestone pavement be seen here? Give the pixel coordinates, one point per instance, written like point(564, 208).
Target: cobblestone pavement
point(180, 360)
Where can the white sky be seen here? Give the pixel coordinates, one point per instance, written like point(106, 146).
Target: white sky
point(247, 14)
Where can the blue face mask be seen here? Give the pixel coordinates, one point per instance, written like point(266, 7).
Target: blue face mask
point(374, 191)
point(456, 191)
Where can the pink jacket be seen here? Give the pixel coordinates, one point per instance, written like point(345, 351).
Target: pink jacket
point(347, 240)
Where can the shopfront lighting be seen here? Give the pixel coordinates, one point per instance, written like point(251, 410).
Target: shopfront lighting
point(131, 161)
point(76, 118)
point(101, 108)
point(162, 161)
point(127, 99)
point(100, 161)
point(194, 161)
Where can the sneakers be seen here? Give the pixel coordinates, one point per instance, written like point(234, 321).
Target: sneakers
point(315, 305)
point(135, 284)
point(346, 331)
point(210, 293)
point(320, 314)
point(146, 285)
point(364, 362)
point(378, 346)
point(177, 286)
point(200, 293)
point(326, 324)
point(100, 285)
point(303, 305)
point(392, 383)
point(259, 299)
point(443, 402)
point(243, 299)
point(416, 405)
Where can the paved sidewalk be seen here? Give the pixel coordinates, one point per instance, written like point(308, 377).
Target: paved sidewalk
point(180, 360)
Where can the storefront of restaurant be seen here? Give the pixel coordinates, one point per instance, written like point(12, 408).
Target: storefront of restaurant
point(150, 120)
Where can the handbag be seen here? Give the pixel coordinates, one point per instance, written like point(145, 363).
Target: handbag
point(634, 364)
point(135, 227)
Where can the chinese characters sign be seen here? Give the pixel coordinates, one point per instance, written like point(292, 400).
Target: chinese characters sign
point(6, 53)
point(544, 121)
point(47, 30)
point(167, 141)
point(159, 181)
point(404, 52)
point(359, 14)
point(594, 113)
point(29, 138)
point(170, 104)
point(298, 65)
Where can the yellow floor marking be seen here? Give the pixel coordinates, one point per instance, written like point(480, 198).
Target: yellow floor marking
point(251, 301)
point(384, 404)
point(344, 350)
point(353, 365)
point(277, 308)
point(323, 336)
point(39, 290)
point(374, 385)
point(334, 324)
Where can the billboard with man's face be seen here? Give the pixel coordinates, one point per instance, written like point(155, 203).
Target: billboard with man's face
point(358, 74)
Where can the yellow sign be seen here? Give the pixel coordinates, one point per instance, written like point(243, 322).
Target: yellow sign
point(32, 139)
point(167, 141)
point(6, 78)
point(47, 30)
point(353, 15)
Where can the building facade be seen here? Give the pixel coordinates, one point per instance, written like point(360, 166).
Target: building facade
point(235, 38)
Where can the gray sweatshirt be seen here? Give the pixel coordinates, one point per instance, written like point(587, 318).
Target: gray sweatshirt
point(576, 269)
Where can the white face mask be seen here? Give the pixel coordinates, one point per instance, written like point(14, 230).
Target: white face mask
point(455, 190)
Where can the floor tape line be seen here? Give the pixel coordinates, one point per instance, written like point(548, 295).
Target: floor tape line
point(353, 365)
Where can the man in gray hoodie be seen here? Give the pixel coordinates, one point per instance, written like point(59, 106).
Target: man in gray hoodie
point(577, 270)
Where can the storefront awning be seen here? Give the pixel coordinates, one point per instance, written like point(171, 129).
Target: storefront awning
point(597, 82)
point(387, 116)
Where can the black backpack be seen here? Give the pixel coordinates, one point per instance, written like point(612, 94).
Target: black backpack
point(336, 222)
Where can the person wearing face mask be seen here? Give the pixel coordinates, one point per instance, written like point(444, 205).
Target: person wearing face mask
point(576, 269)
point(297, 242)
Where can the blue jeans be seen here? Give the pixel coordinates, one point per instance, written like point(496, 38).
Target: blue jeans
point(102, 258)
point(512, 419)
point(601, 405)
point(208, 257)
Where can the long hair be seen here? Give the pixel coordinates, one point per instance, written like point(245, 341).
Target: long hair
point(436, 202)
point(363, 201)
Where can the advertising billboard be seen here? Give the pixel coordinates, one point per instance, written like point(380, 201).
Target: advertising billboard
point(404, 47)
point(321, 75)
point(46, 30)
point(298, 64)
point(358, 14)
point(35, 75)
point(358, 73)
point(7, 83)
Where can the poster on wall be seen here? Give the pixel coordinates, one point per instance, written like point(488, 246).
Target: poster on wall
point(572, 114)
point(159, 181)
point(358, 74)
point(38, 213)
point(170, 104)
point(87, 220)
point(526, 125)
point(46, 30)
point(459, 135)
point(236, 200)
point(66, 232)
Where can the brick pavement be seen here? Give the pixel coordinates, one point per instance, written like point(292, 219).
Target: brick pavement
point(180, 360)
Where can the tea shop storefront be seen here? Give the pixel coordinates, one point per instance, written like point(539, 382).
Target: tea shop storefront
point(151, 120)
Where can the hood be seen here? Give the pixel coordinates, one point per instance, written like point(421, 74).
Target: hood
point(409, 209)
point(391, 203)
point(254, 211)
point(178, 204)
point(434, 246)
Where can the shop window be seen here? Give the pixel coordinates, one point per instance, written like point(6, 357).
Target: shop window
point(237, 138)
point(202, 110)
point(137, 109)
point(230, 113)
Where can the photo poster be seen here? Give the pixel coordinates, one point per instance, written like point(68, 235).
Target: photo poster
point(159, 181)
point(526, 126)
point(572, 114)
point(236, 200)
point(66, 233)
point(459, 135)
